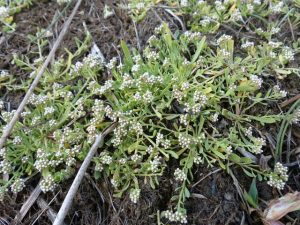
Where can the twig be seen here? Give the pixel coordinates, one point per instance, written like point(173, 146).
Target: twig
point(45, 207)
point(16, 116)
point(137, 35)
point(74, 187)
point(289, 101)
point(177, 18)
point(27, 205)
point(207, 175)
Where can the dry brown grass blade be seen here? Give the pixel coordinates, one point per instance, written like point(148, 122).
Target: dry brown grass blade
point(35, 82)
point(280, 207)
point(27, 205)
point(77, 181)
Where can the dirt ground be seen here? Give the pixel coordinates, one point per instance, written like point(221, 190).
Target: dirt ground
point(215, 200)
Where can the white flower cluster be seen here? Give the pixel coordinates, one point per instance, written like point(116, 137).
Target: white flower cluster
point(3, 73)
point(152, 40)
point(47, 184)
point(17, 186)
point(5, 164)
point(105, 158)
point(1, 105)
point(136, 157)
point(149, 79)
point(200, 100)
point(61, 2)
point(154, 164)
point(256, 80)
point(184, 140)
point(17, 140)
point(257, 2)
point(224, 53)
point(91, 61)
point(215, 117)
point(135, 195)
point(228, 150)
point(236, 15)
point(7, 116)
point(151, 55)
point(250, 8)
point(274, 44)
point(277, 7)
point(184, 119)
point(248, 132)
point(112, 63)
point(275, 30)
point(175, 216)
point(277, 90)
point(279, 177)
point(288, 53)
point(159, 29)
point(296, 116)
point(42, 161)
point(180, 175)
point(192, 36)
point(247, 44)
point(258, 145)
point(4, 12)
point(223, 38)
point(198, 160)
point(219, 6)
point(107, 86)
point(49, 110)
point(37, 99)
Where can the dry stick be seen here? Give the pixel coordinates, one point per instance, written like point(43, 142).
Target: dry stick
point(16, 116)
point(46, 208)
point(77, 181)
point(289, 101)
point(27, 205)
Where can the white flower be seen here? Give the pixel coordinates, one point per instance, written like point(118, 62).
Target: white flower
point(288, 53)
point(61, 2)
point(247, 44)
point(224, 37)
point(279, 177)
point(236, 15)
point(180, 175)
point(4, 74)
point(276, 8)
point(47, 184)
point(184, 141)
point(134, 195)
point(175, 216)
point(148, 97)
point(17, 186)
point(4, 12)
point(49, 110)
point(17, 140)
point(256, 80)
point(184, 3)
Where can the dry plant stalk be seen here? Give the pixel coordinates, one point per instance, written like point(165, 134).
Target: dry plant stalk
point(77, 181)
point(35, 82)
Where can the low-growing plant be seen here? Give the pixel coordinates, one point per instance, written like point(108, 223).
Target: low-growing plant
point(182, 99)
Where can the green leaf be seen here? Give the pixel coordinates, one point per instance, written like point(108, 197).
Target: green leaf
point(248, 173)
point(128, 58)
point(266, 119)
point(186, 193)
point(253, 191)
point(173, 154)
point(200, 46)
point(235, 158)
point(219, 154)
